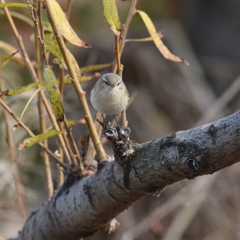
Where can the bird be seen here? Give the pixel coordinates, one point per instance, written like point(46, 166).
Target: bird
point(109, 95)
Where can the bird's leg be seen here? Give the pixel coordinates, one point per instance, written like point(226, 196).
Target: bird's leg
point(103, 118)
point(116, 121)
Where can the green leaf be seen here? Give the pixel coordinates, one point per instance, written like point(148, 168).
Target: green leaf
point(2, 5)
point(28, 142)
point(96, 67)
point(53, 47)
point(63, 25)
point(54, 94)
point(11, 92)
point(111, 15)
point(48, 25)
point(157, 40)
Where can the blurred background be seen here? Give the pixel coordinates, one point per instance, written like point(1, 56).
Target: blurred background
point(167, 97)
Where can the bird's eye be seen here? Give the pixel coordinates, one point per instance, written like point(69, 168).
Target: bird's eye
point(118, 83)
point(106, 82)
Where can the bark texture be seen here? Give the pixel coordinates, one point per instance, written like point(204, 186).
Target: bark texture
point(81, 208)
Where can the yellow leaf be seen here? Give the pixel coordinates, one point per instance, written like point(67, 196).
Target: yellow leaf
point(75, 122)
point(13, 59)
point(111, 15)
point(6, 59)
point(28, 142)
point(11, 92)
point(54, 94)
point(11, 50)
point(4, 62)
point(29, 101)
point(85, 78)
point(63, 25)
point(96, 67)
point(71, 122)
point(148, 39)
point(2, 5)
point(74, 64)
point(157, 40)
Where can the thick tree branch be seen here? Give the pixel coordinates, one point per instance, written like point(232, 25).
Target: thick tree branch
point(81, 207)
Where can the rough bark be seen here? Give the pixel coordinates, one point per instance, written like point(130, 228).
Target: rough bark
point(82, 208)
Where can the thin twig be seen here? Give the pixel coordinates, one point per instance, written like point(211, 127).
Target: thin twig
point(90, 152)
point(12, 151)
point(119, 49)
point(74, 145)
point(31, 134)
point(120, 70)
point(61, 82)
point(68, 146)
point(67, 126)
point(124, 118)
point(42, 121)
point(38, 28)
point(125, 31)
point(118, 57)
point(60, 173)
point(76, 84)
point(180, 198)
point(69, 7)
point(220, 103)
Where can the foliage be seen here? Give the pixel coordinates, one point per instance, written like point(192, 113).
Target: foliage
point(50, 38)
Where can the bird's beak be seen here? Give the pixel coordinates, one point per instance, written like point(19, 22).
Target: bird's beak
point(113, 86)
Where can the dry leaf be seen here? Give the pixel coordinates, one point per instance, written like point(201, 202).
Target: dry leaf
point(157, 40)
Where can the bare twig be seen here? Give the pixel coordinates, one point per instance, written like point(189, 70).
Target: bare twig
point(69, 7)
point(45, 156)
point(181, 197)
point(37, 19)
point(125, 31)
point(119, 49)
point(12, 151)
point(118, 57)
point(68, 146)
point(74, 145)
point(189, 210)
point(124, 118)
point(60, 173)
point(61, 82)
point(220, 103)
